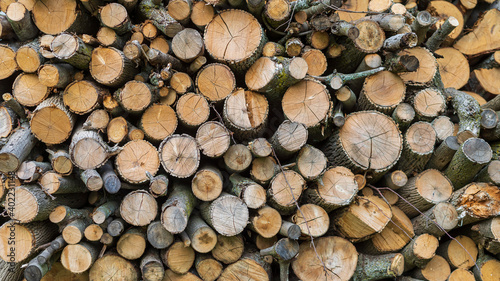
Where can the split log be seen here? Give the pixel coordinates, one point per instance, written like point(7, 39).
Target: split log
point(475, 202)
point(364, 217)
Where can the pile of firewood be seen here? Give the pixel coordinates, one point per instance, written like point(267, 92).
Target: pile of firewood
point(250, 140)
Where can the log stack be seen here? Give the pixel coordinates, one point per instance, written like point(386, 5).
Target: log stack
point(250, 140)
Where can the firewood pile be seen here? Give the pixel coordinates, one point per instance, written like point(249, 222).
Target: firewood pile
point(250, 140)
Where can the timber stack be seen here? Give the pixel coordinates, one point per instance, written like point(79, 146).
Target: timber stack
point(250, 140)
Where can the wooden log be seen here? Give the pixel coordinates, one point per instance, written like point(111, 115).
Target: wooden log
point(309, 265)
point(56, 75)
point(178, 257)
point(285, 190)
point(158, 185)
point(260, 147)
point(403, 115)
point(436, 269)
point(28, 57)
point(187, 45)
point(427, 67)
point(440, 35)
point(469, 159)
point(383, 97)
point(443, 154)
point(398, 232)
point(136, 96)
point(30, 171)
point(369, 215)
point(263, 170)
point(435, 221)
point(316, 61)
point(94, 232)
point(6, 31)
point(468, 112)
point(158, 122)
point(203, 237)
point(228, 214)
point(70, 19)
point(486, 269)
point(28, 90)
point(395, 180)
point(251, 266)
point(51, 122)
point(88, 150)
point(310, 162)
point(72, 50)
point(135, 159)
point(335, 188)
point(470, 207)
point(453, 68)
point(8, 54)
point(428, 104)
point(443, 127)
point(74, 231)
point(461, 274)
point(132, 244)
point(202, 14)
point(110, 179)
point(63, 214)
point(179, 155)
point(215, 81)
point(177, 209)
point(92, 180)
point(109, 38)
point(252, 194)
point(273, 75)
point(303, 96)
point(79, 257)
point(221, 45)
point(213, 139)
point(110, 67)
point(419, 251)
point(159, 16)
point(338, 148)
point(289, 138)
point(237, 158)
point(207, 267)
point(207, 183)
point(113, 266)
point(228, 249)
point(418, 147)
point(245, 113)
point(158, 236)
point(138, 208)
point(192, 110)
point(461, 252)
point(152, 266)
point(53, 183)
point(40, 205)
point(97, 120)
point(284, 250)
point(266, 221)
point(20, 20)
point(490, 173)
point(424, 191)
point(20, 241)
point(312, 220)
point(379, 267)
point(17, 148)
point(115, 16)
point(104, 211)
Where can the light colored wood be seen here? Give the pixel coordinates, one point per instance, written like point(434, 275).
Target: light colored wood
point(311, 162)
point(228, 214)
point(7, 60)
point(203, 238)
point(131, 244)
point(207, 267)
point(179, 206)
point(460, 252)
point(366, 216)
point(115, 16)
point(71, 49)
point(288, 139)
point(79, 258)
point(266, 222)
point(453, 68)
point(192, 110)
point(245, 113)
point(260, 147)
point(316, 62)
point(202, 14)
point(341, 253)
point(436, 269)
point(113, 267)
point(213, 139)
point(252, 194)
point(419, 251)
point(227, 32)
point(312, 220)
point(158, 122)
point(237, 158)
point(382, 96)
point(88, 150)
point(187, 45)
point(178, 257)
point(418, 146)
point(135, 159)
point(461, 274)
point(228, 248)
point(110, 67)
point(28, 57)
point(152, 266)
point(28, 90)
point(51, 122)
point(179, 155)
point(69, 18)
point(17, 148)
point(138, 208)
point(207, 183)
point(476, 42)
point(426, 70)
point(444, 10)
point(284, 191)
point(158, 236)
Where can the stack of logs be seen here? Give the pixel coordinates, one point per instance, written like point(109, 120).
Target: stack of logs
point(250, 140)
